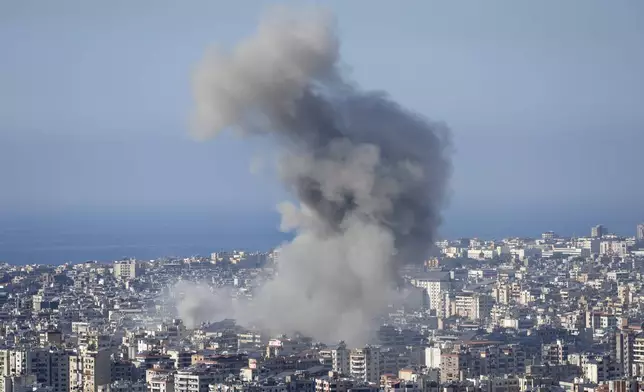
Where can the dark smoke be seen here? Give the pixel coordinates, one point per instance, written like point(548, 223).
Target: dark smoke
point(370, 176)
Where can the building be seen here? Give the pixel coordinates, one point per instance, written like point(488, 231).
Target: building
point(90, 371)
point(598, 231)
point(181, 358)
point(453, 366)
point(500, 384)
point(275, 256)
point(510, 359)
point(196, 378)
point(123, 370)
point(364, 364)
point(434, 285)
point(590, 244)
point(126, 386)
point(51, 337)
point(548, 235)
point(600, 368)
point(391, 361)
point(473, 306)
point(502, 293)
point(283, 347)
point(334, 382)
point(340, 359)
point(125, 269)
point(637, 361)
point(58, 370)
point(24, 383)
point(613, 248)
point(49, 366)
point(161, 384)
point(433, 357)
point(639, 232)
point(623, 354)
point(44, 300)
point(555, 353)
point(554, 372)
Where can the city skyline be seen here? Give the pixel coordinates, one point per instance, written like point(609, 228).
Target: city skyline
point(49, 247)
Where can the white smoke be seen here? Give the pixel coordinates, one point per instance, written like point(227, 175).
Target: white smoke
point(197, 303)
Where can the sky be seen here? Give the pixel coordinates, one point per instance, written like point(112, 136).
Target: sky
point(545, 100)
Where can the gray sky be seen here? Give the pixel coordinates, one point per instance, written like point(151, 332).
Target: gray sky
point(545, 99)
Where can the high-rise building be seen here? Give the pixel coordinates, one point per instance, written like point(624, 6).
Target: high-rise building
point(49, 366)
point(474, 306)
point(58, 370)
point(591, 244)
point(364, 364)
point(555, 353)
point(598, 231)
point(453, 366)
point(434, 285)
point(623, 350)
point(637, 361)
point(391, 361)
point(639, 233)
point(433, 357)
point(340, 359)
point(125, 269)
point(89, 371)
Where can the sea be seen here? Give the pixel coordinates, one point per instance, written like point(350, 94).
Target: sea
point(79, 236)
point(76, 238)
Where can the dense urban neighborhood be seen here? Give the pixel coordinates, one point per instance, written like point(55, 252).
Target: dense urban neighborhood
point(519, 314)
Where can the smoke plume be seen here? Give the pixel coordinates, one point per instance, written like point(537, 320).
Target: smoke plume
point(197, 303)
point(369, 176)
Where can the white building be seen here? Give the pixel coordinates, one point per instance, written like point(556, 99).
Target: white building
point(525, 253)
point(434, 285)
point(197, 378)
point(364, 364)
point(433, 357)
point(472, 305)
point(340, 359)
point(613, 248)
point(639, 232)
point(90, 371)
point(592, 244)
point(283, 347)
point(125, 269)
point(481, 254)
